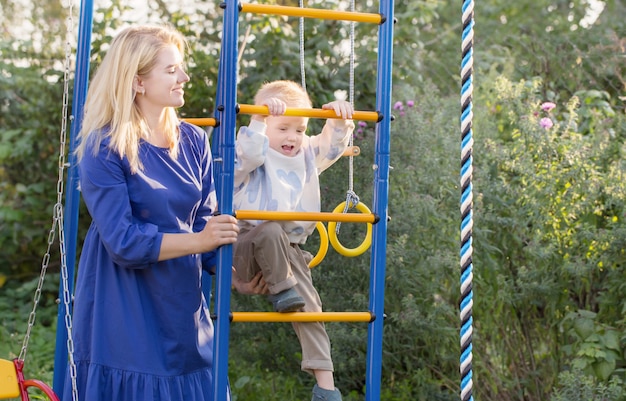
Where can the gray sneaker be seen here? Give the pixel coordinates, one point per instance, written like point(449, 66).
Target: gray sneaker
point(321, 394)
point(287, 301)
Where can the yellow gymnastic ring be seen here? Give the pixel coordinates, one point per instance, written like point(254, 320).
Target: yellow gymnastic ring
point(321, 252)
point(332, 233)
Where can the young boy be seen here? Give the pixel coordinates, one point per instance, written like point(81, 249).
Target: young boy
point(277, 169)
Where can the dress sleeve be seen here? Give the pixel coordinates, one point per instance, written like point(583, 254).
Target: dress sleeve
point(331, 143)
point(251, 148)
point(130, 243)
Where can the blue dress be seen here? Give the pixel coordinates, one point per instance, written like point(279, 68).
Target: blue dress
point(141, 328)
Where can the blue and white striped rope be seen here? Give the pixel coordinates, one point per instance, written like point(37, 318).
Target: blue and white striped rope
point(467, 223)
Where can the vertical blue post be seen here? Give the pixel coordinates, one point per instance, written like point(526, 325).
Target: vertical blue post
point(380, 203)
point(72, 200)
point(226, 103)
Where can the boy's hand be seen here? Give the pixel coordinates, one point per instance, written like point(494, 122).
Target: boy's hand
point(342, 108)
point(276, 108)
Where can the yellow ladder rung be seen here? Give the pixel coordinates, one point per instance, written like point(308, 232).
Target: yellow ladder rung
point(9, 387)
point(311, 13)
point(366, 317)
point(315, 113)
point(202, 122)
point(307, 216)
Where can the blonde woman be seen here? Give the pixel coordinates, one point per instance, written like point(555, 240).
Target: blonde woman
point(142, 330)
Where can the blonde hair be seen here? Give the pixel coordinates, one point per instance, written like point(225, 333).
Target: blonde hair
point(289, 92)
point(110, 108)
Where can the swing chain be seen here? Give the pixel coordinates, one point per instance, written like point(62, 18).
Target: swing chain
point(44, 266)
point(57, 220)
point(57, 216)
point(67, 299)
point(67, 296)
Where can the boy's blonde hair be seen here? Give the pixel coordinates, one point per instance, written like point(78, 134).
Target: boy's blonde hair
point(110, 107)
point(289, 92)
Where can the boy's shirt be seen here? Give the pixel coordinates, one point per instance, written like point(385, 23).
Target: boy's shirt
point(268, 180)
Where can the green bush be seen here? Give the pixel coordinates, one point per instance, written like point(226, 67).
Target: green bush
point(551, 204)
point(16, 302)
point(576, 386)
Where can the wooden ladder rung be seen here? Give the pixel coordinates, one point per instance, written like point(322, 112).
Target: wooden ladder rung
point(352, 151)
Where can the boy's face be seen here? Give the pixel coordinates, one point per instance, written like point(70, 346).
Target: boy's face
point(285, 134)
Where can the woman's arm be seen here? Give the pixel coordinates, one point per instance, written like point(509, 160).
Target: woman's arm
point(219, 230)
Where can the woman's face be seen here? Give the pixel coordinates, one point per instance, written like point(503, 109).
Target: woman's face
point(163, 85)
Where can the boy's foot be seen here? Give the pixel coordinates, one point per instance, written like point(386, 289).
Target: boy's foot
point(287, 301)
point(321, 394)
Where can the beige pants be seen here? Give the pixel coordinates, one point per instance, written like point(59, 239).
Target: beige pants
point(266, 248)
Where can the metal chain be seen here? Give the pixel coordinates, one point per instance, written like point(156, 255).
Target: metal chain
point(67, 296)
point(57, 219)
point(44, 266)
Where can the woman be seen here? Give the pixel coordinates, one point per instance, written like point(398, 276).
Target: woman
point(141, 326)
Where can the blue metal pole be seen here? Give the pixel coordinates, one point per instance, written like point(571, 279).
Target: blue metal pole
point(226, 115)
point(72, 200)
point(380, 203)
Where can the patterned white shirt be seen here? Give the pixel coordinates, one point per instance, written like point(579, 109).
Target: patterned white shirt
point(268, 180)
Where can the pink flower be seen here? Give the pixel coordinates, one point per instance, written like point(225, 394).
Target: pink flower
point(547, 106)
point(362, 124)
point(546, 123)
point(410, 103)
point(398, 106)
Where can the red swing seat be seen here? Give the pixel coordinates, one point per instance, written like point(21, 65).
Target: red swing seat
point(13, 384)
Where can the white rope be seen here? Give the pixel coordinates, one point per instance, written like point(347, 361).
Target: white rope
point(352, 198)
point(302, 69)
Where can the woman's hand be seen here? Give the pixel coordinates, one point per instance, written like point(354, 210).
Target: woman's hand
point(256, 286)
point(219, 230)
